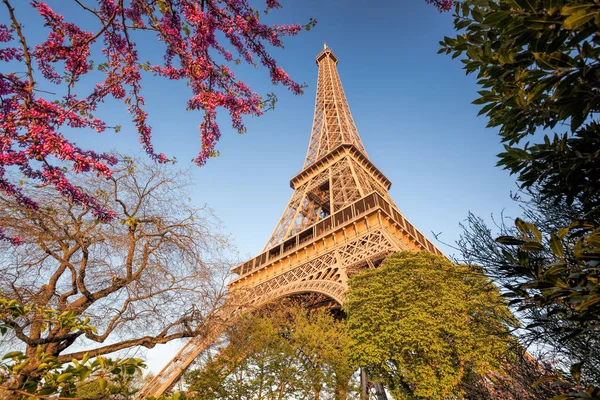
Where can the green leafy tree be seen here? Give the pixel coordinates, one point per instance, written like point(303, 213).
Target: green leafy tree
point(426, 326)
point(540, 272)
point(52, 377)
point(114, 387)
point(286, 351)
point(537, 62)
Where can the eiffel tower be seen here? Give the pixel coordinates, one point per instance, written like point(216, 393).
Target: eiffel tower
point(340, 220)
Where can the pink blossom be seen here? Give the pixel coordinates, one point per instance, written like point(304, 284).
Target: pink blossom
point(32, 121)
point(441, 5)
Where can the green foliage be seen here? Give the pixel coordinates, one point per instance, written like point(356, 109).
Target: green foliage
point(52, 378)
point(424, 324)
point(537, 65)
point(284, 352)
point(568, 285)
point(11, 310)
point(42, 374)
point(122, 386)
point(537, 62)
point(548, 270)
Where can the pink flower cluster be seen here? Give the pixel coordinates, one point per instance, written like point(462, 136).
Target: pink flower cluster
point(442, 5)
point(8, 53)
point(32, 120)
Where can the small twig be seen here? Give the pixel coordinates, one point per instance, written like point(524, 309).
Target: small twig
point(26, 53)
point(44, 91)
point(105, 25)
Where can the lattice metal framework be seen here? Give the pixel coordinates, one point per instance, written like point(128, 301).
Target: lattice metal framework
point(339, 220)
point(332, 124)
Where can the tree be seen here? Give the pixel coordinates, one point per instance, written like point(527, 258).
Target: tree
point(151, 275)
point(286, 351)
point(537, 63)
point(52, 378)
point(426, 326)
point(552, 327)
point(43, 97)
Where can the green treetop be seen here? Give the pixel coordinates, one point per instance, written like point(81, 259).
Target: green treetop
point(424, 325)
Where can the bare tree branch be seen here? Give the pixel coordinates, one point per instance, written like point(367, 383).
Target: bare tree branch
point(152, 275)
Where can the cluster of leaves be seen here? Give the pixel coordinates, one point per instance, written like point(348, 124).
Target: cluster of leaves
point(426, 326)
point(537, 62)
point(42, 98)
point(54, 378)
point(11, 312)
point(558, 286)
point(285, 351)
point(38, 374)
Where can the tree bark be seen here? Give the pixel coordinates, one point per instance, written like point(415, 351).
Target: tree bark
point(364, 393)
point(380, 391)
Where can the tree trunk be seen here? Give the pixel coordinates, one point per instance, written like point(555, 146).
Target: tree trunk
point(341, 393)
point(364, 394)
point(380, 391)
point(317, 393)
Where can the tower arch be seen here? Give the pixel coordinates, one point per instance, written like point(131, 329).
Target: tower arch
point(334, 290)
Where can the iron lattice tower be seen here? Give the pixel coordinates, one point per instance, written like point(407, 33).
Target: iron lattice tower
point(339, 220)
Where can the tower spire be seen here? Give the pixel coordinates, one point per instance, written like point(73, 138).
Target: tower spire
point(332, 124)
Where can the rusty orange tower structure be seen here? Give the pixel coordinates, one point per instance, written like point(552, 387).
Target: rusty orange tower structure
point(339, 220)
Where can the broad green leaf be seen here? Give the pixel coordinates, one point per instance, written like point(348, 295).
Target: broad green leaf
point(556, 245)
point(576, 372)
point(12, 354)
point(64, 377)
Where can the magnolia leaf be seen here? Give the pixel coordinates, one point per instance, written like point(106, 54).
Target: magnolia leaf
point(64, 377)
point(532, 246)
point(576, 372)
point(578, 18)
point(555, 270)
point(592, 299)
point(12, 354)
point(556, 245)
point(509, 240)
point(562, 232)
point(582, 224)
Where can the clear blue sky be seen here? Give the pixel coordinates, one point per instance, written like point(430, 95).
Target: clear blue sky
point(411, 106)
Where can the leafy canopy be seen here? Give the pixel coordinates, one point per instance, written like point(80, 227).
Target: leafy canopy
point(50, 375)
point(287, 351)
point(537, 64)
point(422, 324)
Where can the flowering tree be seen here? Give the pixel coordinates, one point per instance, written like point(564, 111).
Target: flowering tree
point(42, 99)
point(33, 120)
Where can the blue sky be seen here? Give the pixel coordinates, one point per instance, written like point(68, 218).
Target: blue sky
point(411, 106)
